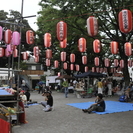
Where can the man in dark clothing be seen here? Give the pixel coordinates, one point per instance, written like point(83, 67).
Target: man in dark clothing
point(48, 101)
point(98, 106)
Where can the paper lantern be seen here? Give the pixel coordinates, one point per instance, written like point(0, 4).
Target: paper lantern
point(56, 64)
point(84, 60)
point(101, 70)
point(63, 44)
point(93, 69)
point(30, 37)
point(8, 36)
point(71, 67)
point(63, 56)
point(125, 21)
point(9, 48)
point(107, 62)
point(7, 54)
point(1, 52)
point(96, 46)
point(77, 67)
point(96, 61)
point(82, 44)
point(114, 47)
point(97, 69)
point(116, 63)
point(121, 63)
point(86, 68)
point(61, 30)
point(15, 38)
point(59, 74)
point(65, 65)
point(1, 33)
point(25, 55)
point(128, 48)
point(36, 51)
point(72, 58)
point(130, 63)
point(47, 40)
point(47, 62)
point(92, 26)
point(15, 53)
point(36, 59)
point(48, 53)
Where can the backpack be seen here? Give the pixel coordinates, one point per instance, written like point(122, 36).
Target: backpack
point(122, 98)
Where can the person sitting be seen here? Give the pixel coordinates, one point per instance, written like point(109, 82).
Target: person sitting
point(48, 101)
point(98, 106)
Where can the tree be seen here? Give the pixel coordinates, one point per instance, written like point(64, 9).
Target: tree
point(75, 14)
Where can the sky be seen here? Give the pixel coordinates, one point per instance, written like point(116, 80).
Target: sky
point(30, 7)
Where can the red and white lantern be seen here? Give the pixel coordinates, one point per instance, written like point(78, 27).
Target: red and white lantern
point(101, 70)
point(121, 64)
point(1, 52)
point(86, 68)
point(128, 48)
point(16, 38)
point(47, 62)
point(15, 53)
point(48, 53)
point(58, 74)
point(9, 48)
point(92, 26)
point(130, 63)
point(107, 62)
point(93, 69)
point(36, 51)
point(1, 33)
point(82, 44)
point(25, 55)
point(72, 58)
point(63, 44)
point(97, 69)
point(36, 59)
point(56, 64)
point(47, 40)
point(84, 60)
point(114, 47)
point(96, 46)
point(116, 63)
point(8, 36)
point(77, 67)
point(125, 21)
point(65, 66)
point(71, 67)
point(63, 56)
point(30, 37)
point(61, 30)
point(96, 61)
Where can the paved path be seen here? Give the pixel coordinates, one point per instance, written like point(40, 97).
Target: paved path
point(67, 119)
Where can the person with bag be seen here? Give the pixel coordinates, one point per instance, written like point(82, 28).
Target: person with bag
point(98, 106)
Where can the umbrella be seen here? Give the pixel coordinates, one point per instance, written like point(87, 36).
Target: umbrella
point(90, 74)
point(64, 77)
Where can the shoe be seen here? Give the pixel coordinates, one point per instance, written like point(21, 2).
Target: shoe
point(89, 111)
point(84, 110)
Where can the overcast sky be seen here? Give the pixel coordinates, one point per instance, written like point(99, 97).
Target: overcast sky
point(30, 7)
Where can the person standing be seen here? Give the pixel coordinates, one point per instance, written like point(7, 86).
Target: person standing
point(65, 85)
point(100, 87)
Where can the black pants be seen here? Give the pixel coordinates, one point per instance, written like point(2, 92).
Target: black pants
point(95, 108)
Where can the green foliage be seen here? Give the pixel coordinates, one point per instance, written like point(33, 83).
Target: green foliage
point(75, 14)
